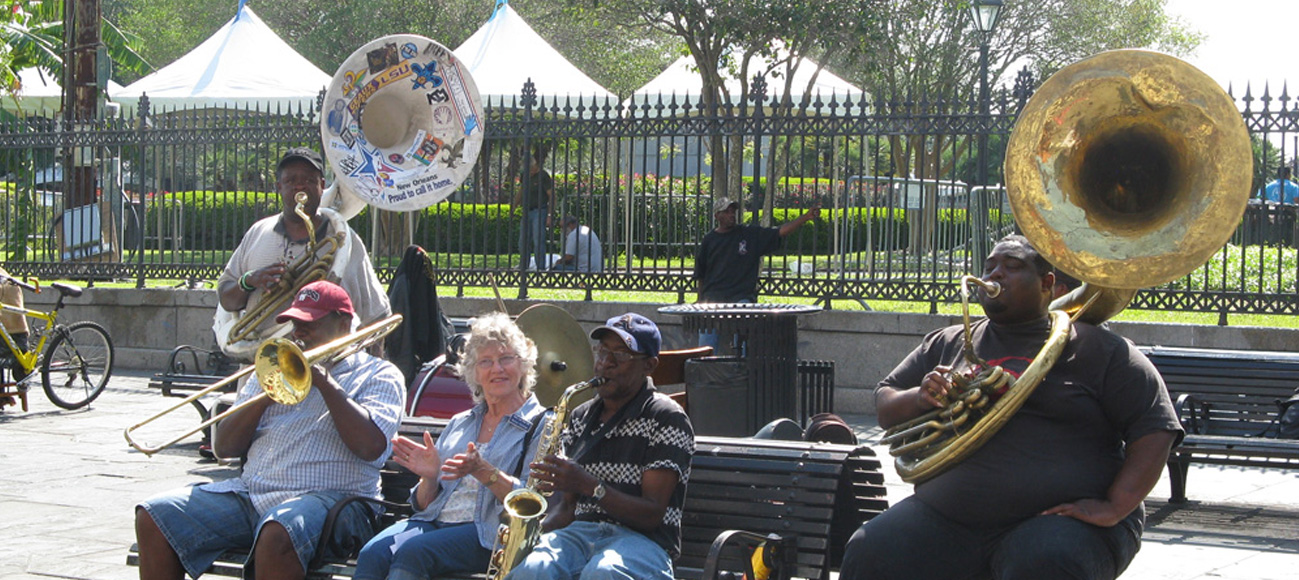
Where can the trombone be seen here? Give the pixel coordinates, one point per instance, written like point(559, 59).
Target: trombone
point(283, 371)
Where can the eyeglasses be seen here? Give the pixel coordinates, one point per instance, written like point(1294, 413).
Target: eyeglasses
point(618, 357)
point(505, 362)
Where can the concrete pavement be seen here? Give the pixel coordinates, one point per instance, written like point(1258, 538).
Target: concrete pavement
point(69, 481)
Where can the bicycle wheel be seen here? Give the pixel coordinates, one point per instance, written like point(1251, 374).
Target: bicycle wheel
point(77, 364)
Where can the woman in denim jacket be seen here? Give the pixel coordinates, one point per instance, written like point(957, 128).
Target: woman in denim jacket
point(464, 477)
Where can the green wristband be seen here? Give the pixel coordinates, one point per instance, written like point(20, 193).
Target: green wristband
point(244, 285)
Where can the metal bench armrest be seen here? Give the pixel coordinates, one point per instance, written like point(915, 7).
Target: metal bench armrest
point(1193, 413)
point(780, 550)
point(327, 530)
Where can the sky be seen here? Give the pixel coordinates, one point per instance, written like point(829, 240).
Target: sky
point(1245, 41)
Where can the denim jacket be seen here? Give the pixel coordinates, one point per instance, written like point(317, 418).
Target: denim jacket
point(503, 453)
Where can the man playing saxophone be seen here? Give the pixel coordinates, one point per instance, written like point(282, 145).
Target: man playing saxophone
point(259, 269)
point(300, 461)
point(1057, 491)
point(621, 481)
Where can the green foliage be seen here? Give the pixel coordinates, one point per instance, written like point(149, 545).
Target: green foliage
point(1265, 269)
point(208, 220)
point(33, 35)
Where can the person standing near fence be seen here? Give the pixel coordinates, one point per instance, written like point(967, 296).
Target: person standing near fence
point(1281, 190)
point(582, 251)
point(730, 256)
point(258, 265)
point(536, 201)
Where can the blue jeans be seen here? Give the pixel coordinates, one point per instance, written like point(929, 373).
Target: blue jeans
point(200, 525)
point(911, 540)
point(594, 551)
point(532, 238)
point(424, 550)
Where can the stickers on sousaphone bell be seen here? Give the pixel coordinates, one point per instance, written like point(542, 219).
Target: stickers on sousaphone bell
point(402, 122)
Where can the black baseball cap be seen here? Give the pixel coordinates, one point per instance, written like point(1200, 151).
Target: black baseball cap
point(304, 154)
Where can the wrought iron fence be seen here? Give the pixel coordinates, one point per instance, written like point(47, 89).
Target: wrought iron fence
point(901, 216)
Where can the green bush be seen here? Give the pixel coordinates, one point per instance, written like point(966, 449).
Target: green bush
point(207, 220)
point(668, 217)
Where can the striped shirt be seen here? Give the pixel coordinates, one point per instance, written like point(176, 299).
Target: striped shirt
point(654, 433)
point(297, 448)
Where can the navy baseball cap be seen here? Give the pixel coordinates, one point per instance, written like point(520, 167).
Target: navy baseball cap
point(640, 334)
point(304, 154)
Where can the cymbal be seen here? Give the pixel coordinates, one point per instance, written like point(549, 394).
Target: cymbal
point(563, 351)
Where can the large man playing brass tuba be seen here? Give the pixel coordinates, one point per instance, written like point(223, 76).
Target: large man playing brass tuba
point(284, 252)
point(1057, 491)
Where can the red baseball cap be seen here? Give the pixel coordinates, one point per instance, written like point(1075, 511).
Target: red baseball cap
point(315, 301)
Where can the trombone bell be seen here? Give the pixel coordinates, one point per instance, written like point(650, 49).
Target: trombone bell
point(282, 370)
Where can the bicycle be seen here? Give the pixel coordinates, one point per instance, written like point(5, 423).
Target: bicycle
point(76, 364)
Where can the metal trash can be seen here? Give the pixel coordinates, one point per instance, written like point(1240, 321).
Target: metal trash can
point(766, 337)
point(719, 392)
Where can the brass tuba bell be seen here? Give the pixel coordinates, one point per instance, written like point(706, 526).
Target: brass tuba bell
point(1126, 169)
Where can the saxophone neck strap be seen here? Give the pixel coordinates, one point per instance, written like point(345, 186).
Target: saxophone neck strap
point(527, 444)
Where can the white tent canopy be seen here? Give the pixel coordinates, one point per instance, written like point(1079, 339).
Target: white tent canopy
point(681, 81)
point(40, 94)
point(244, 64)
point(505, 52)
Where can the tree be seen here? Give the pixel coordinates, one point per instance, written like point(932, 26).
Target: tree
point(928, 52)
point(32, 31)
point(725, 36)
point(326, 32)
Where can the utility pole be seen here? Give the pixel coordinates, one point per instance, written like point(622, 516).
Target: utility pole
point(81, 43)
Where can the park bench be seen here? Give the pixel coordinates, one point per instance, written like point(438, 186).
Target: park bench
point(191, 369)
point(806, 499)
point(1228, 401)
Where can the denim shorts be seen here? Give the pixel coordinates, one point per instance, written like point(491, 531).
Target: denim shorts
point(200, 524)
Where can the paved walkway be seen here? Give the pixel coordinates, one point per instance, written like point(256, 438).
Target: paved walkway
point(69, 481)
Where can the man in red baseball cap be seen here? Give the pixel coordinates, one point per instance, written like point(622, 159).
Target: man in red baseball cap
point(332, 444)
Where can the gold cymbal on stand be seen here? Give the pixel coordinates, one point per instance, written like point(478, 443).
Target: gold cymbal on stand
point(563, 351)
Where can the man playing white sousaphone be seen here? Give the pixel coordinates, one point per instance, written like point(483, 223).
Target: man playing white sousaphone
point(269, 262)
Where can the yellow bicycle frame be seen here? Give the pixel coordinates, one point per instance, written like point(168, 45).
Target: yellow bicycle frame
point(28, 358)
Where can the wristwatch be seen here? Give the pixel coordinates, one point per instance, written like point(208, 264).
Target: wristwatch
point(494, 477)
point(597, 494)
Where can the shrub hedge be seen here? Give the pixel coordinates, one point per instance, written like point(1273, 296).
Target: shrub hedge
point(670, 223)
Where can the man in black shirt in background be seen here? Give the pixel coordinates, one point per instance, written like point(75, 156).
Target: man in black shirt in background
point(730, 256)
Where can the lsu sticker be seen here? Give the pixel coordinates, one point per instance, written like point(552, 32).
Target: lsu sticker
point(385, 78)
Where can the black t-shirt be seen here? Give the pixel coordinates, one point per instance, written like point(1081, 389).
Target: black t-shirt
point(727, 264)
point(652, 433)
point(1066, 442)
point(535, 196)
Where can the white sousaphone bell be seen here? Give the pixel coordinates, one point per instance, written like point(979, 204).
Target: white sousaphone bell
point(402, 125)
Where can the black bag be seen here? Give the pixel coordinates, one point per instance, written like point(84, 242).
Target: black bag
point(1288, 425)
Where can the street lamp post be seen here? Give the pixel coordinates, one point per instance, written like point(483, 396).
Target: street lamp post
point(984, 13)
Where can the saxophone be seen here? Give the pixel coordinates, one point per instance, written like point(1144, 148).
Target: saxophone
point(526, 507)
